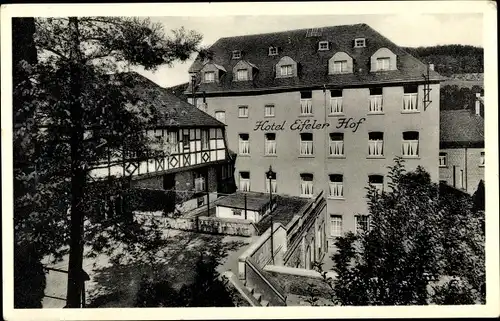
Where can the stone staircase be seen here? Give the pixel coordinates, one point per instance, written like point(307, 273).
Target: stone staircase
point(256, 295)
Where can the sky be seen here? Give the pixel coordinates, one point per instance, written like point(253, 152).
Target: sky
point(409, 30)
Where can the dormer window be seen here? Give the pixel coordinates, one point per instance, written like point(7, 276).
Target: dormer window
point(286, 70)
point(236, 54)
point(242, 74)
point(323, 45)
point(383, 63)
point(359, 43)
point(273, 51)
point(209, 76)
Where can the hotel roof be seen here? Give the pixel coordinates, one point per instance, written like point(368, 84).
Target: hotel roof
point(461, 128)
point(173, 111)
point(312, 64)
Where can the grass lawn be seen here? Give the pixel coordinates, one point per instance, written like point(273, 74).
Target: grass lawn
point(116, 285)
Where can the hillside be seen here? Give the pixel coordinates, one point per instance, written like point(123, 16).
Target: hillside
point(451, 59)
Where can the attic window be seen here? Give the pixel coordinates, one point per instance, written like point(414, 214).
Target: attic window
point(273, 51)
point(323, 45)
point(236, 54)
point(359, 43)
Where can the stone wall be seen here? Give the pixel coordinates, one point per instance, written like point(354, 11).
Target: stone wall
point(225, 226)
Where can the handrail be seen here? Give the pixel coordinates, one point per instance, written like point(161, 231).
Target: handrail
point(276, 288)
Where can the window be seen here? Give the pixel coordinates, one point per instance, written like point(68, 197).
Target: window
point(375, 100)
point(199, 182)
point(286, 70)
point(274, 185)
point(244, 146)
point(443, 161)
point(236, 54)
point(306, 144)
point(362, 223)
point(336, 144)
point(461, 179)
point(172, 142)
point(237, 211)
point(377, 181)
point(204, 139)
point(410, 144)
point(359, 42)
point(340, 66)
point(410, 98)
point(273, 51)
point(323, 45)
point(269, 111)
point(383, 63)
point(336, 102)
point(306, 185)
point(306, 103)
point(209, 76)
point(336, 186)
point(336, 225)
point(185, 142)
point(220, 116)
point(481, 159)
point(270, 144)
point(375, 144)
point(243, 111)
point(245, 181)
point(242, 74)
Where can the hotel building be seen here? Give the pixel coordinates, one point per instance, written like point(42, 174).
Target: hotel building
point(328, 108)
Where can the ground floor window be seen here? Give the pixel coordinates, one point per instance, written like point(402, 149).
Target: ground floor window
point(336, 225)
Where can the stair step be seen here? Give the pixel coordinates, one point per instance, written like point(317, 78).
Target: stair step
point(264, 303)
point(257, 296)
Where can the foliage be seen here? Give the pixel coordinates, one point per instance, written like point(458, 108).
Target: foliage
point(29, 278)
point(451, 59)
point(208, 289)
point(416, 235)
point(71, 113)
point(479, 197)
point(452, 97)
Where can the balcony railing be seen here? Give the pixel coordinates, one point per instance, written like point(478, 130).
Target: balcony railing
point(410, 102)
point(306, 106)
point(336, 148)
point(336, 105)
point(375, 104)
point(410, 148)
point(375, 148)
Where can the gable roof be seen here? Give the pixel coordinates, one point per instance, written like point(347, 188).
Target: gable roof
point(461, 128)
point(173, 111)
point(313, 64)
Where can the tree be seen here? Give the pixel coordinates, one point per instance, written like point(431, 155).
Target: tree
point(417, 235)
point(208, 288)
point(78, 115)
point(479, 197)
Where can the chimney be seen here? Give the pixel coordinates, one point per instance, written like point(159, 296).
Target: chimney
point(431, 67)
point(478, 104)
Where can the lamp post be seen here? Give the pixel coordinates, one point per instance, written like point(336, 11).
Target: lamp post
point(270, 175)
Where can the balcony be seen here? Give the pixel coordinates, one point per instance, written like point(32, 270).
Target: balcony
point(244, 148)
point(375, 104)
point(270, 147)
point(336, 190)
